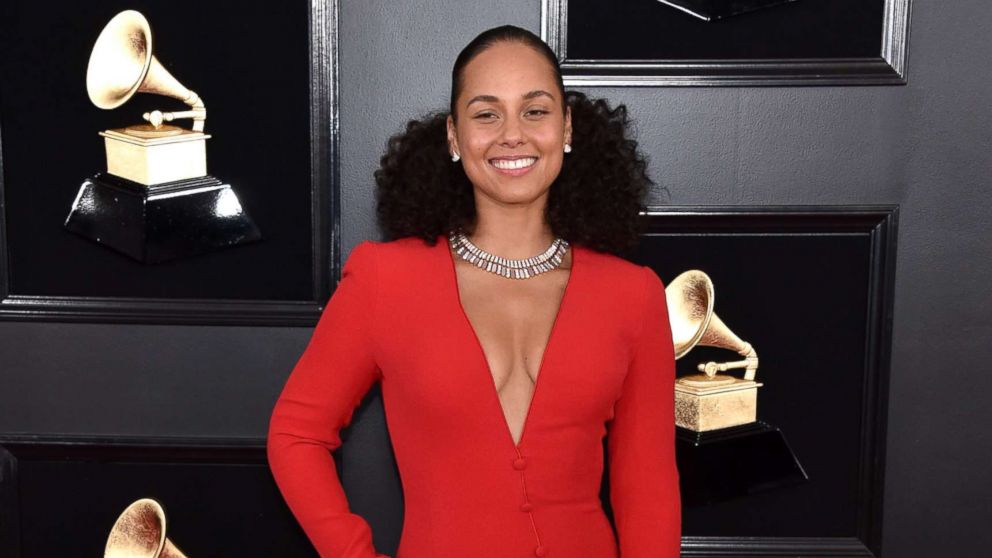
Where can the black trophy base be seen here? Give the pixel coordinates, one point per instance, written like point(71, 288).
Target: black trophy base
point(153, 224)
point(710, 10)
point(734, 462)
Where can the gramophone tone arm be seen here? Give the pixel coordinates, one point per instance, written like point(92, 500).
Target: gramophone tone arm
point(712, 368)
point(156, 117)
point(750, 364)
point(198, 113)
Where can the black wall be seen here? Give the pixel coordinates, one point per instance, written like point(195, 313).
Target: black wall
point(926, 146)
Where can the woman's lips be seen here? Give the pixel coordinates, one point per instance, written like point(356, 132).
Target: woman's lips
point(513, 166)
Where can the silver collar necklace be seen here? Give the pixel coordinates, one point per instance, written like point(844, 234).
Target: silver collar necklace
point(512, 269)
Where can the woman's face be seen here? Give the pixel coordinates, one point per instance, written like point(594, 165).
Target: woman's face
point(511, 130)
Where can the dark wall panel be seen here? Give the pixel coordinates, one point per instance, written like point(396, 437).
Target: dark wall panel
point(219, 500)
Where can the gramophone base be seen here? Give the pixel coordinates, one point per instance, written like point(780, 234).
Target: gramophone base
point(734, 462)
point(150, 160)
point(162, 222)
point(704, 409)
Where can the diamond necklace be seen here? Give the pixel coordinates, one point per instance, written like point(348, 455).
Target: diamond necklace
point(512, 269)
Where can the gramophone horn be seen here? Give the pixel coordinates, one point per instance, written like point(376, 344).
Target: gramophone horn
point(139, 532)
point(690, 299)
point(690, 307)
point(121, 64)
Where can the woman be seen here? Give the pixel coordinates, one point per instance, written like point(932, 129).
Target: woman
point(500, 381)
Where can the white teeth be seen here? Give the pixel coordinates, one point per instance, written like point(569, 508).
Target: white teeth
point(510, 164)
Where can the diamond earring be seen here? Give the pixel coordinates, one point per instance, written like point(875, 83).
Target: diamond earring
point(455, 158)
point(568, 148)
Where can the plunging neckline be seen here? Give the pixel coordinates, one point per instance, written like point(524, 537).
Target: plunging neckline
point(481, 351)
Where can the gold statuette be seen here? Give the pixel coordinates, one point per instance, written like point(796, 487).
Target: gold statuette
point(121, 64)
point(139, 532)
point(709, 401)
point(156, 202)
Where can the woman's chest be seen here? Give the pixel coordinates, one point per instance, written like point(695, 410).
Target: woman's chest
point(434, 357)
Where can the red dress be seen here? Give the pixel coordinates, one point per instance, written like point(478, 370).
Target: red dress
point(469, 491)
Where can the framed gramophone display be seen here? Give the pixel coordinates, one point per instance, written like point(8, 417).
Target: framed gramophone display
point(124, 202)
point(716, 411)
point(156, 201)
point(780, 319)
point(142, 497)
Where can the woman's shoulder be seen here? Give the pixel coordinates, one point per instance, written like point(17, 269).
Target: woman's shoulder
point(614, 268)
point(622, 283)
point(406, 247)
point(398, 257)
point(617, 289)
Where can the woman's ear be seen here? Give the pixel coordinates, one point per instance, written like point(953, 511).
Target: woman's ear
point(452, 139)
point(568, 125)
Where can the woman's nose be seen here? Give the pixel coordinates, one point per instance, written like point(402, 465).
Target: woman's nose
point(512, 133)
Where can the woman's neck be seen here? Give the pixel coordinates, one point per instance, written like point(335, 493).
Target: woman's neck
point(511, 238)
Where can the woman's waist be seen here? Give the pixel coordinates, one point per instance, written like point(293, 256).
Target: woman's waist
point(502, 493)
point(572, 531)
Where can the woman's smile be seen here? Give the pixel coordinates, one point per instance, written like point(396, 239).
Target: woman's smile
point(513, 166)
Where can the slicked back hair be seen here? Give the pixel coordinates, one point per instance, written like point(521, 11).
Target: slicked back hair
point(492, 37)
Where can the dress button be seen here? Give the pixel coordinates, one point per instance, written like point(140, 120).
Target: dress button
point(520, 463)
point(541, 550)
point(526, 507)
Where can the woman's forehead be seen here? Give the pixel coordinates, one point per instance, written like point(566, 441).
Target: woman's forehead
point(508, 71)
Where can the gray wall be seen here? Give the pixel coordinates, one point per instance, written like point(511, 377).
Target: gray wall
point(924, 146)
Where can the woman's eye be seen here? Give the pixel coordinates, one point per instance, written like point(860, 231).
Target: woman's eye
point(485, 116)
point(537, 112)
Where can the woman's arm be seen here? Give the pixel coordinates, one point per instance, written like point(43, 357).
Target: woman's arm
point(644, 481)
point(326, 385)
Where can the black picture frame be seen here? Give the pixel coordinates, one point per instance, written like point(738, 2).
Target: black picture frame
point(273, 294)
point(812, 288)
point(77, 486)
point(614, 44)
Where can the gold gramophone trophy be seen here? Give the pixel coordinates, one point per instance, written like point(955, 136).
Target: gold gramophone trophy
point(709, 401)
point(156, 201)
point(139, 532)
point(716, 414)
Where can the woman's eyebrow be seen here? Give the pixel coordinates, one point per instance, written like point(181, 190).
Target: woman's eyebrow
point(495, 99)
point(538, 93)
point(483, 99)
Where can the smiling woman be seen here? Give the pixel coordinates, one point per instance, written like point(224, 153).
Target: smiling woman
point(507, 334)
point(593, 195)
point(510, 126)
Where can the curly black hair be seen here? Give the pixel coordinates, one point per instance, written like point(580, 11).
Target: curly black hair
point(594, 201)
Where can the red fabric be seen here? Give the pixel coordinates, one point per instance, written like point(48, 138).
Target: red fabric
point(469, 491)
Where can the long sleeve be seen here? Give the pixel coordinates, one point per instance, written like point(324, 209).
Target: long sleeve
point(644, 481)
point(328, 382)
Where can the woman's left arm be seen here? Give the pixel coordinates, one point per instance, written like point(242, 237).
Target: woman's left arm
point(644, 481)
